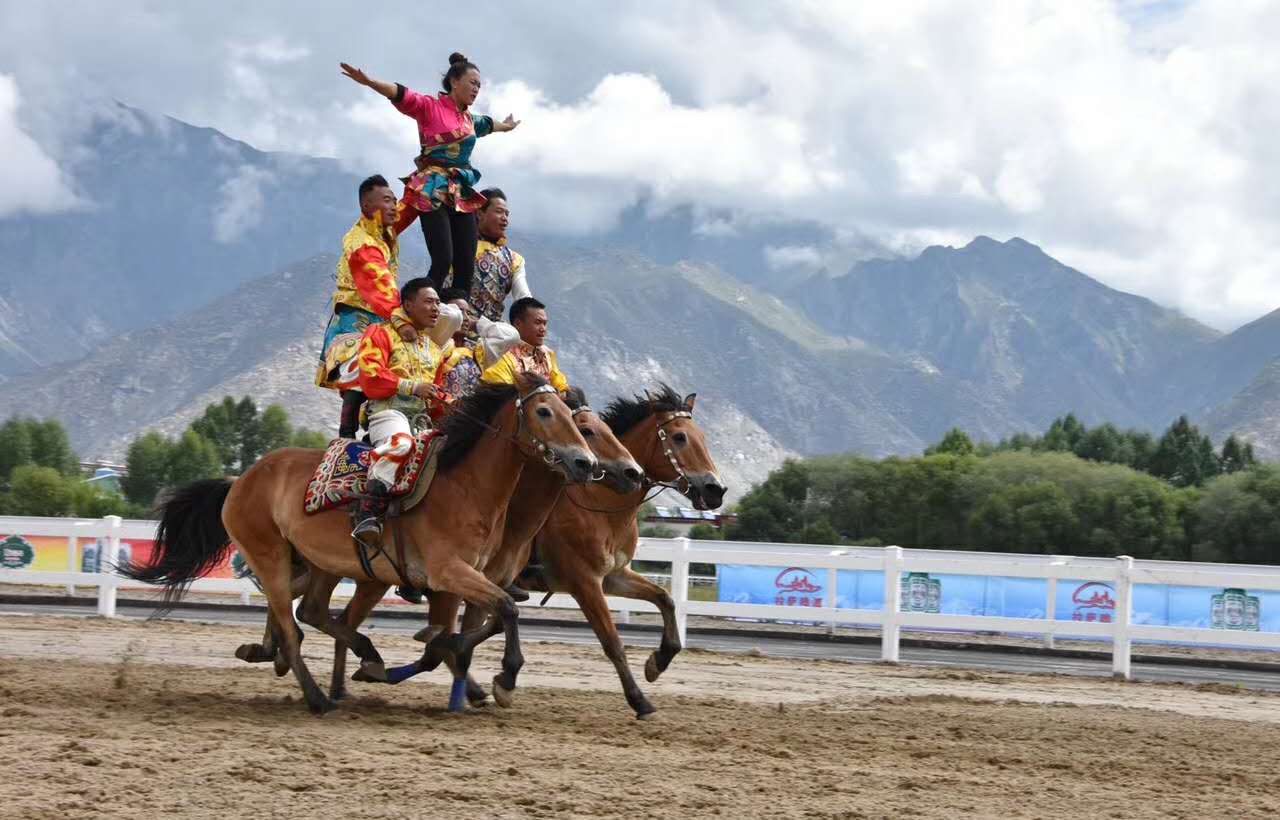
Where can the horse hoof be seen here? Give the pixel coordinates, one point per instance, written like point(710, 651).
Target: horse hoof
point(373, 671)
point(336, 695)
point(502, 696)
point(321, 706)
point(282, 665)
point(651, 670)
point(646, 715)
point(253, 653)
point(428, 633)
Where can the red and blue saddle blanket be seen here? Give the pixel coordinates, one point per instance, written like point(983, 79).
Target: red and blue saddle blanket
point(343, 473)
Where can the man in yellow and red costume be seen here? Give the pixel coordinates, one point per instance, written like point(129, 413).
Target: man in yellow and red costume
point(367, 293)
point(531, 355)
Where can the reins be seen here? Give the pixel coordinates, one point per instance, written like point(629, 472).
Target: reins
point(681, 475)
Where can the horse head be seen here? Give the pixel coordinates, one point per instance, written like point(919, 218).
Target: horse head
point(547, 423)
point(617, 469)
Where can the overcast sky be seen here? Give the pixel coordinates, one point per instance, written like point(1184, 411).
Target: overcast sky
point(1137, 141)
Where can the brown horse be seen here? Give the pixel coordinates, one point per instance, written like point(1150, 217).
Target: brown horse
point(536, 493)
point(442, 540)
point(531, 504)
point(587, 543)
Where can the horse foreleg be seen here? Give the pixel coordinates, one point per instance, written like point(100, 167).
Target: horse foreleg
point(590, 597)
point(368, 594)
point(474, 619)
point(315, 611)
point(628, 583)
point(463, 580)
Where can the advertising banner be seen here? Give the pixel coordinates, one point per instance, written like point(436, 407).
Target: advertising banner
point(1085, 601)
point(49, 553)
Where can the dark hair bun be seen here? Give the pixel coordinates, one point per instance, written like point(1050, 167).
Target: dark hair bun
point(457, 57)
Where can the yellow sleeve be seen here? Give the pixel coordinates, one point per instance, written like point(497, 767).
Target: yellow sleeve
point(399, 318)
point(558, 380)
point(503, 371)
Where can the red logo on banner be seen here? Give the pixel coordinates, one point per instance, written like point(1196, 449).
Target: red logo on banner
point(1093, 602)
point(795, 587)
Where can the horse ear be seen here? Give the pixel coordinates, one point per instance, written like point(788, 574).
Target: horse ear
point(688, 401)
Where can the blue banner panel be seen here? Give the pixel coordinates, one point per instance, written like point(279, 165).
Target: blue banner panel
point(1076, 600)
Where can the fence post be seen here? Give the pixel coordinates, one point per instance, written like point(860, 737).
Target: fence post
point(680, 584)
point(106, 568)
point(1121, 644)
point(890, 630)
point(832, 575)
point(1051, 598)
point(72, 566)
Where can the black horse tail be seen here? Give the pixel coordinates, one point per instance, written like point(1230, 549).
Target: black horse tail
point(190, 540)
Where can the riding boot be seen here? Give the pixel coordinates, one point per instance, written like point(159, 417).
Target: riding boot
point(517, 594)
point(369, 529)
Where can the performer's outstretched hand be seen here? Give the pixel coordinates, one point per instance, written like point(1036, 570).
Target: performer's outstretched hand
point(509, 124)
point(354, 73)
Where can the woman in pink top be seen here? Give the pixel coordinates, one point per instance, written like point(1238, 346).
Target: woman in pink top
point(442, 191)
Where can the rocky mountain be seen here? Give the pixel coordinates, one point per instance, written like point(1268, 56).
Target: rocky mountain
point(180, 280)
point(171, 216)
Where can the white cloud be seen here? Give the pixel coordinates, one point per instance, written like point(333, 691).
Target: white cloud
point(29, 179)
point(242, 203)
point(1134, 139)
point(793, 257)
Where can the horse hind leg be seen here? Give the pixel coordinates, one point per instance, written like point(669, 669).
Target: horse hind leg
point(459, 578)
point(630, 584)
point(271, 563)
point(269, 649)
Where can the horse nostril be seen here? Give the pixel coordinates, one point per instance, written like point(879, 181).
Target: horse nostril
point(583, 464)
point(633, 474)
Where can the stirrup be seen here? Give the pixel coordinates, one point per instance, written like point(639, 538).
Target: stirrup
point(366, 527)
point(410, 594)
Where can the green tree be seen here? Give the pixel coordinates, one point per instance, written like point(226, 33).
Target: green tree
point(52, 448)
point(16, 447)
point(274, 431)
point(1237, 518)
point(310, 439)
point(38, 490)
point(147, 468)
point(705, 532)
point(91, 501)
point(956, 442)
point(1236, 455)
point(1184, 457)
point(192, 457)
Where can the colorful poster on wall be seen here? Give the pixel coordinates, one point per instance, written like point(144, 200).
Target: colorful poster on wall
point(45, 553)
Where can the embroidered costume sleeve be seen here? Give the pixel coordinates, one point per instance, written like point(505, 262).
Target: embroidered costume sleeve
point(484, 125)
point(374, 280)
point(557, 379)
point(377, 380)
point(519, 281)
point(503, 371)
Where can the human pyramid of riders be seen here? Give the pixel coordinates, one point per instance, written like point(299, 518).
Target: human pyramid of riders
point(404, 354)
point(525, 466)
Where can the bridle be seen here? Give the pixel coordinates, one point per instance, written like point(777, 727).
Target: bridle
point(585, 408)
point(649, 484)
point(544, 450)
point(663, 440)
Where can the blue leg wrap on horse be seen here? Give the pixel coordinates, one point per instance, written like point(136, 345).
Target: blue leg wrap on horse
point(458, 695)
point(397, 674)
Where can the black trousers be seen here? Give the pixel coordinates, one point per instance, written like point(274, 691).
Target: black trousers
point(451, 240)
point(349, 422)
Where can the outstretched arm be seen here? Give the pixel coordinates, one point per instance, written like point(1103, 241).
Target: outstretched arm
point(386, 89)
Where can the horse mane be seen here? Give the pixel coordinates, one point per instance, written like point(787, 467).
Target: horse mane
point(622, 414)
point(471, 418)
point(575, 397)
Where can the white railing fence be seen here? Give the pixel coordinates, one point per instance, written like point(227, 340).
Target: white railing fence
point(1120, 573)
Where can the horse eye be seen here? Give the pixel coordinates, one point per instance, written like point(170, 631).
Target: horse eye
point(680, 438)
point(587, 432)
point(544, 412)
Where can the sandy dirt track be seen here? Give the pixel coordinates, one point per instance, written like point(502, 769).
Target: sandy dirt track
point(122, 719)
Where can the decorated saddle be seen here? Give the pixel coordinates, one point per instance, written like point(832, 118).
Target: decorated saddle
point(343, 474)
